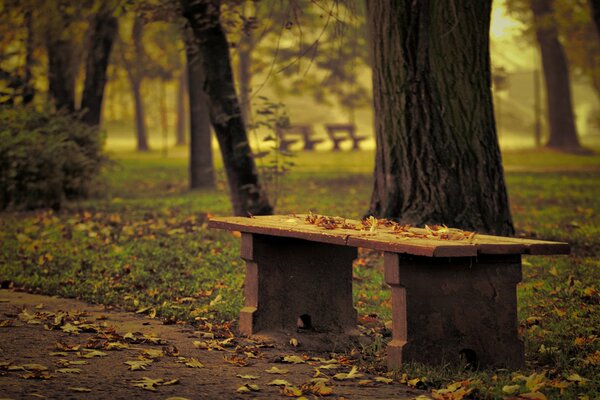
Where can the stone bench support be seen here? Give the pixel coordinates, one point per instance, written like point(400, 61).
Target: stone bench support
point(453, 310)
point(289, 279)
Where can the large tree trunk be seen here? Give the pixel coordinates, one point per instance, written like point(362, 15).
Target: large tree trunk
point(103, 29)
point(180, 109)
point(595, 8)
point(437, 158)
point(202, 173)
point(563, 133)
point(61, 71)
point(247, 195)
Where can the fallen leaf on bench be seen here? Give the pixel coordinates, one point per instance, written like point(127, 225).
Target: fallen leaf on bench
point(275, 370)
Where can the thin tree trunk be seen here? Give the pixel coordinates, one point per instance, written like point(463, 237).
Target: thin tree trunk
point(140, 117)
point(563, 133)
point(103, 28)
point(61, 72)
point(202, 174)
point(245, 48)
point(437, 158)
point(28, 87)
point(134, 70)
point(181, 114)
point(247, 195)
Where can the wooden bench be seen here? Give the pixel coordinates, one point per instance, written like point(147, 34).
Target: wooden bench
point(305, 131)
point(450, 298)
point(342, 132)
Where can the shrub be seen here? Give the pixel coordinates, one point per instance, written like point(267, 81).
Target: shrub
point(46, 158)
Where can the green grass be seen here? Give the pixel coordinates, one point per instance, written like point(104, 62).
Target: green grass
point(143, 245)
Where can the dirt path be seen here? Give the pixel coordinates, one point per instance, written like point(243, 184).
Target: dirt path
point(84, 355)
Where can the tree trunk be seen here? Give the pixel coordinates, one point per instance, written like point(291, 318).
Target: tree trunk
point(595, 8)
point(181, 114)
point(561, 121)
point(437, 158)
point(28, 86)
point(140, 117)
point(103, 29)
point(202, 173)
point(61, 71)
point(247, 195)
point(134, 69)
point(245, 48)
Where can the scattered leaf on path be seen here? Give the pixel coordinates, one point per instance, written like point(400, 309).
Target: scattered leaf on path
point(353, 374)
point(279, 382)
point(69, 370)
point(275, 370)
point(194, 363)
point(293, 359)
point(252, 377)
point(138, 365)
point(80, 389)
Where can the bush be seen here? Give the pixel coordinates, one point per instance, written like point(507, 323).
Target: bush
point(46, 158)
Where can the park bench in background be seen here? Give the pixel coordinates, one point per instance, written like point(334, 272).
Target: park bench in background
point(450, 298)
point(305, 131)
point(342, 132)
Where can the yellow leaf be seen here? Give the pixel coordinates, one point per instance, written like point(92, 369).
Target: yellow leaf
point(511, 389)
point(279, 382)
point(153, 353)
point(70, 329)
point(252, 377)
point(194, 363)
point(577, 378)
point(243, 389)
point(148, 383)
point(293, 359)
point(414, 382)
point(138, 365)
point(291, 391)
point(535, 382)
point(69, 370)
point(294, 342)
point(533, 396)
point(34, 367)
point(93, 353)
point(80, 389)
point(275, 370)
point(383, 380)
point(353, 374)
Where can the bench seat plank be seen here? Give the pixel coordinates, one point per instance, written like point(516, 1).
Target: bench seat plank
point(384, 239)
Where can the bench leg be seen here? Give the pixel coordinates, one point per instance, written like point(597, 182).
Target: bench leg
point(292, 282)
point(454, 310)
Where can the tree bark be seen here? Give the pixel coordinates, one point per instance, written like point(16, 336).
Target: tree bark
point(245, 48)
point(180, 109)
point(561, 121)
point(202, 173)
point(247, 195)
point(595, 9)
point(437, 157)
point(61, 71)
point(135, 74)
point(28, 86)
point(103, 29)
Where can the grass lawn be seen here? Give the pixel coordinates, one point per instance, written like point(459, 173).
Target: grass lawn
point(143, 245)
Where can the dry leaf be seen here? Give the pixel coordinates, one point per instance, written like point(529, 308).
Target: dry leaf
point(252, 377)
point(80, 389)
point(353, 374)
point(138, 365)
point(194, 363)
point(69, 370)
point(275, 370)
point(293, 359)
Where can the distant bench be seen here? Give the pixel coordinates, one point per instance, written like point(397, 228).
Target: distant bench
point(341, 132)
point(337, 133)
point(450, 298)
